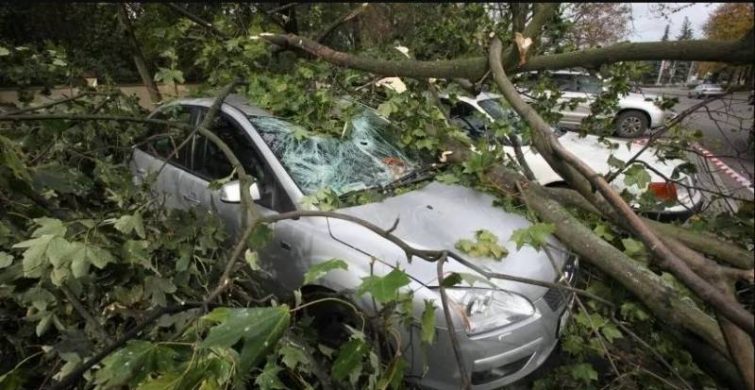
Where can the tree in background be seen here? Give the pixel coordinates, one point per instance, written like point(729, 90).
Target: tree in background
point(728, 21)
point(597, 24)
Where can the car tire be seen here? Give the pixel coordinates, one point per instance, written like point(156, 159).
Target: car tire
point(631, 124)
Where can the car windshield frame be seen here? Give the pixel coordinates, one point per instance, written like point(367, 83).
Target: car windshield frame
point(365, 157)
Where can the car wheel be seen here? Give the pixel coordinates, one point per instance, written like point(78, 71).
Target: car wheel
point(631, 124)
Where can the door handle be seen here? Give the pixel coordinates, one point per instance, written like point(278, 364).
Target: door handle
point(190, 198)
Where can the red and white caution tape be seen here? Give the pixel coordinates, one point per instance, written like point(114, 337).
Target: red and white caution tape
point(736, 176)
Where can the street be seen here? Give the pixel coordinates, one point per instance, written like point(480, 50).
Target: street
point(724, 159)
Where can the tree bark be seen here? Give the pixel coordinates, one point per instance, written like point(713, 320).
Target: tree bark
point(141, 65)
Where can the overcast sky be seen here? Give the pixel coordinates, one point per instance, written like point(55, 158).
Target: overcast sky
point(648, 27)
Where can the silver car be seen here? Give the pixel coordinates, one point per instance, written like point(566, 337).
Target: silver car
point(706, 90)
point(505, 329)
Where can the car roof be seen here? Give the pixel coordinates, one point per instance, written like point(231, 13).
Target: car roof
point(482, 96)
point(236, 101)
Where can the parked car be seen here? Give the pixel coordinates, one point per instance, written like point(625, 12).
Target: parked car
point(636, 113)
point(706, 90)
point(474, 114)
point(504, 332)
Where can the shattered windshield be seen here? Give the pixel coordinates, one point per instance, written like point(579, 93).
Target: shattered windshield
point(364, 157)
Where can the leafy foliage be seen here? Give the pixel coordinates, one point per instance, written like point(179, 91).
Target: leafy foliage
point(485, 245)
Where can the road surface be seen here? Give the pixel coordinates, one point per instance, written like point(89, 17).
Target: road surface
point(723, 157)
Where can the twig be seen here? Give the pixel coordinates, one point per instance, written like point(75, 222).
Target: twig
point(196, 19)
point(104, 337)
point(86, 117)
point(46, 105)
point(465, 379)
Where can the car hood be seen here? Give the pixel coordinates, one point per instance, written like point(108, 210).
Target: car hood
point(437, 216)
point(595, 153)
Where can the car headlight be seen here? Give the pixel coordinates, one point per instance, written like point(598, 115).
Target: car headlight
point(486, 309)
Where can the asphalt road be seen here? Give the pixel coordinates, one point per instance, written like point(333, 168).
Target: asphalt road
point(725, 125)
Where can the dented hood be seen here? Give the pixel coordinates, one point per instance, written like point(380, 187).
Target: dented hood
point(437, 216)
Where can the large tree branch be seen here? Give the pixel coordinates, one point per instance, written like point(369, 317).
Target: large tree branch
point(474, 68)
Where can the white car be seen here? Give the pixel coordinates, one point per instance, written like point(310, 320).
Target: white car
point(636, 114)
point(681, 201)
point(706, 90)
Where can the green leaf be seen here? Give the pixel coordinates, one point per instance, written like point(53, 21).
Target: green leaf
point(49, 226)
point(156, 288)
point(252, 259)
point(535, 235)
point(615, 162)
point(268, 378)
point(132, 364)
point(260, 236)
point(636, 175)
point(293, 356)
point(260, 327)
point(428, 323)
point(128, 223)
point(583, 372)
point(321, 269)
point(383, 289)
point(451, 280)
point(34, 256)
point(632, 247)
point(349, 359)
point(603, 231)
point(4, 51)
point(5, 259)
point(610, 332)
point(486, 246)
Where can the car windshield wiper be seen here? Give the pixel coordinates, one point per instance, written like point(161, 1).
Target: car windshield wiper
point(416, 175)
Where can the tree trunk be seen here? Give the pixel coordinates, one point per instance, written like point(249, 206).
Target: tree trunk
point(136, 52)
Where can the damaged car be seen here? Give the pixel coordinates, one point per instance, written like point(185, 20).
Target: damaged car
point(505, 329)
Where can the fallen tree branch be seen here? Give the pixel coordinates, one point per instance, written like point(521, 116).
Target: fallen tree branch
point(474, 68)
point(196, 19)
point(465, 379)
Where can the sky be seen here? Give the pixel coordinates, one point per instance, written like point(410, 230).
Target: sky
point(649, 27)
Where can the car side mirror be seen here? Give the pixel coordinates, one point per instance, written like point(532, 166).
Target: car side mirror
point(231, 192)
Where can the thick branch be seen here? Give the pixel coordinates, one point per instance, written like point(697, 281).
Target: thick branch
point(474, 68)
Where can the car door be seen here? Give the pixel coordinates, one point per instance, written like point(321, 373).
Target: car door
point(571, 116)
point(211, 164)
point(165, 154)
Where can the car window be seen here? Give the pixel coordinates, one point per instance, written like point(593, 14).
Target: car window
point(588, 84)
point(469, 118)
point(165, 139)
point(564, 82)
point(211, 163)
